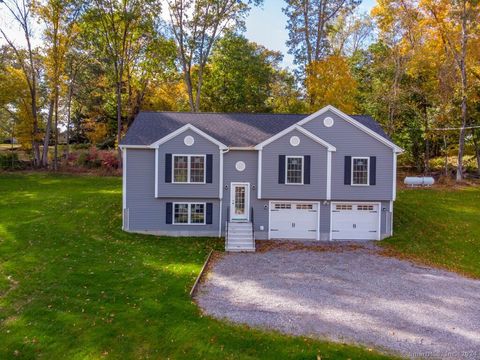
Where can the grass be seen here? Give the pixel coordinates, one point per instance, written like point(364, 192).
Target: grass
point(439, 227)
point(73, 285)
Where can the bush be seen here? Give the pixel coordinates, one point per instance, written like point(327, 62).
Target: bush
point(109, 160)
point(10, 161)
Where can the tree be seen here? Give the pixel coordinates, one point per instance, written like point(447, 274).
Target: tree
point(240, 76)
point(196, 25)
point(21, 13)
point(60, 30)
point(119, 30)
point(308, 23)
point(329, 82)
point(446, 16)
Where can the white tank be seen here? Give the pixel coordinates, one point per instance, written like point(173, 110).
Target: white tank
point(419, 181)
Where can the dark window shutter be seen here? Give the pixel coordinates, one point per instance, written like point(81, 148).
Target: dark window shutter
point(209, 216)
point(347, 176)
point(281, 169)
point(209, 178)
point(306, 169)
point(169, 213)
point(373, 170)
point(168, 168)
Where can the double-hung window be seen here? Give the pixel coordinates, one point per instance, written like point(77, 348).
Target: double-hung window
point(189, 213)
point(294, 169)
point(189, 169)
point(360, 174)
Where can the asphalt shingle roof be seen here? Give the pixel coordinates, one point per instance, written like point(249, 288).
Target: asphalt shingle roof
point(232, 129)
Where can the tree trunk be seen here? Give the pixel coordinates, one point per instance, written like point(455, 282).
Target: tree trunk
point(69, 117)
point(119, 120)
point(446, 155)
point(463, 71)
point(46, 139)
point(55, 152)
point(427, 141)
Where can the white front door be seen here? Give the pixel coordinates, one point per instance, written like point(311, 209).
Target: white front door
point(355, 221)
point(239, 201)
point(294, 220)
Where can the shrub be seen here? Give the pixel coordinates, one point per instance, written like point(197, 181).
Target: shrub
point(109, 160)
point(10, 161)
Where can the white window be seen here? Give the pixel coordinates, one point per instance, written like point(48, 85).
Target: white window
point(365, 207)
point(304, 207)
point(360, 172)
point(189, 169)
point(279, 206)
point(189, 213)
point(343, 207)
point(294, 170)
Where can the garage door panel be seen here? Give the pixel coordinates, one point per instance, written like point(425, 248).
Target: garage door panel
point(355, 221)
point(289, 220)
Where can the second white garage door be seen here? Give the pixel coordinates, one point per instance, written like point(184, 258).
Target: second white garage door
point(293, 220)
point(355, 221)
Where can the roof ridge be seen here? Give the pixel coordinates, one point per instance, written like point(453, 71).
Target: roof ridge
point(219, 113)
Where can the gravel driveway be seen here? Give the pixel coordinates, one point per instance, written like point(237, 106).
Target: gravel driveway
point(348, 294)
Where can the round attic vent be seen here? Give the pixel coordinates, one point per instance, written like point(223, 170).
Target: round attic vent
point(328, 122)
point(294, 141)
point(189, 140)
point(240, 165)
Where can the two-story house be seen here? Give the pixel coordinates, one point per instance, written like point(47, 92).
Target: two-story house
point(326, 176)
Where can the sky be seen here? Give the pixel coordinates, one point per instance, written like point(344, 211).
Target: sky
point(266, 26)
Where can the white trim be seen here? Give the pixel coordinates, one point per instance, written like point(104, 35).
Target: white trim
point(318, 218)
point(353, 122)
point(242, 148)
point(189, 156)
point(286, 168)
point(190, 212)
point(391, 218)
point(156, 172)
point(394, 185)
point(330, 236)
point(247, 199)
point(259, 175)
point(124, 188)
point(317, 237)
point(329, 175)
point(379, 210)
point(220, 185)
point(183, 129)
point(122, 147)
point(368, 170)
point(297, 127)
point(219, 218)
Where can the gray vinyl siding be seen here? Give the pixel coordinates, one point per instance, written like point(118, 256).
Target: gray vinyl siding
point(201, 146)
point(260, 207)
point(147, 213)
point(351, 141)
point(317, 188)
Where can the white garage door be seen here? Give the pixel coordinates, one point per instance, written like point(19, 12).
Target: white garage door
point(293, 220)
point(355, 221)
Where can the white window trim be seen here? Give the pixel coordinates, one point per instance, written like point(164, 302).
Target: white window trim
point(368, 170)
point(286, 168)
point(190, 212)
point(189, 156)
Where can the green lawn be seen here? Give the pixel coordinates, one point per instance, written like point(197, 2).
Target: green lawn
point(73, 285)
point(438, 227)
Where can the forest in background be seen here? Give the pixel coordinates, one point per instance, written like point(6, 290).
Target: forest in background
point(83, 69)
